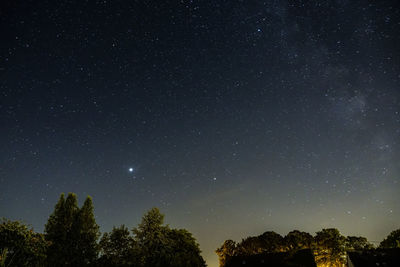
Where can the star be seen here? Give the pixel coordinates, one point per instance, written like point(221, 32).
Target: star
point(131, 170)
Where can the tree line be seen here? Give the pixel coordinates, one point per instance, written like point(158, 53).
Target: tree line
point(328, 245)
point(71, 238)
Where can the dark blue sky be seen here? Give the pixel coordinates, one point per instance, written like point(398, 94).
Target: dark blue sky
point(236, 117)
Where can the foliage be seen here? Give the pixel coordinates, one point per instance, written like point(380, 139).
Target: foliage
point(118, 248)
point(185, 250)
point(161, 246)
point(330, 247)
point(72, 233)
point(152, 244)
point(296, 240)
point(21, 246)
point(151, 223)
point(57, 232)
point(272, 242)
point(151, 237)
point(268, 242)
point(392, 240)
point(87, 234)
point(227, 250)
point(357, 243)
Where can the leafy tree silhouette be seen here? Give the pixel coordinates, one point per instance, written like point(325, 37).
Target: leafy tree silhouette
point(20, 246)
point(392, 240)
point(330, 247)
point(72, 233)
point(357, 243)
point(118, 248)
point(152, 244)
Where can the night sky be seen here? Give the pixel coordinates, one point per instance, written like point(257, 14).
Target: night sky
point(233, 117)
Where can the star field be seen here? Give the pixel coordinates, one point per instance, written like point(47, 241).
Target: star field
point(232, 117)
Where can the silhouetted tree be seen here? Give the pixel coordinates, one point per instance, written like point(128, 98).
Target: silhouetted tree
point(20, 246)
point(268, 242)
point(86, 234)
point(161, 246)
point(72, 233)
point(357, 243)
point(272, 242)
point(296, 240)
point(227, 250)
point(392, 240)
point(250, 246)
point(118, 248)
point(55, 232)
point(151, 237)
point(329, 247)
point(58, 231)
point(185, 250)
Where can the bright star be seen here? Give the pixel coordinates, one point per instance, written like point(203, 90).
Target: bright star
point(130, 169)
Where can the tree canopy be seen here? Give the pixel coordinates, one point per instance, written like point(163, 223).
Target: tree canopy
point(268, 242)
point(328, 245)
point(392, 240)
point(21, 246)
point(71, 239)
point(357, 243)
point(72, 233)
point(162, 246)
point(226, 251)
point(118, 248)
point(151, 244)
point(296, 240)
